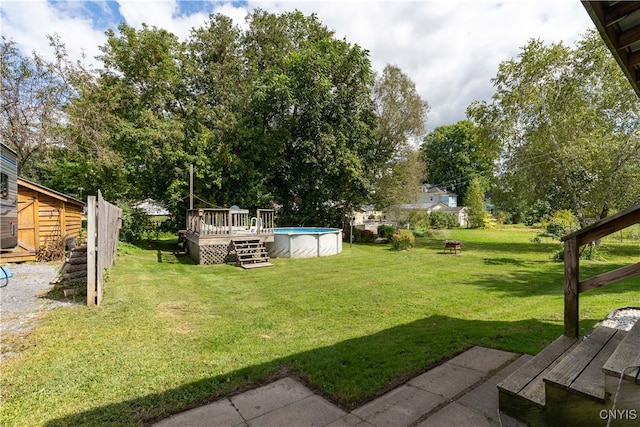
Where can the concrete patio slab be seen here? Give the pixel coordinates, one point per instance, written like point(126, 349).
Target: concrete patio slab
point(310, 411)
point(482, 359)
point(399, 407)
point(262, 400)
point(457, 415)
point(460, 392)
point(217, 414)
point(484, 398)
point(350, 420)
point(447, 380)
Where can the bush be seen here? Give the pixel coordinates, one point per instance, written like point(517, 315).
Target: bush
point(440, 220)
point(363, 236)
point(386, 231)
point(419, 219)
point(503, 217)
point(560, 223)
point(540, 210)
point(403, 240)
point(135, 223)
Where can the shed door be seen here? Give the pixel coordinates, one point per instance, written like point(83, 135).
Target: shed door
point(28, 221)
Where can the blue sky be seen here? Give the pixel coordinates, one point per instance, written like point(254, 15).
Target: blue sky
point(450, 48)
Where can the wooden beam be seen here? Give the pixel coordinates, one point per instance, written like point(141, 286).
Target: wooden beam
point(610, 277)
point(91, 251)
point(571, 280)
point(606, 226)
point(633, 59)
point(627, 38)
point(618, 11)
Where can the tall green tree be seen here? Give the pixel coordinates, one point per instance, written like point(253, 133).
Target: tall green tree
point(400, 111)
point(400, 122)
point(475, 201)
point(455, 153)
point(313, 115)
point(568, 124)
point(143, 75)
point(33, 94)
point(402, 182)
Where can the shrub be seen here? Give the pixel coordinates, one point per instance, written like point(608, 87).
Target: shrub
point(540, 210)
point(419, 219)
point(363, 236)
point(135, 223)
point(403, 240)
point(503, 217)
point(442, 220)
point(386, 231)
point(560, 223)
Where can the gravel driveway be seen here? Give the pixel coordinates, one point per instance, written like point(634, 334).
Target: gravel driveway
point(24, 298)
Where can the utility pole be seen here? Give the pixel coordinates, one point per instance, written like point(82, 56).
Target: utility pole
point(191, 186)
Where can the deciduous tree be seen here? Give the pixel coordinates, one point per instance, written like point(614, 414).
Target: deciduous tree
point(568, 123)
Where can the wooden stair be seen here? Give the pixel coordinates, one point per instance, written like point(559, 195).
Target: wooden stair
point(574, 383)
point(251, 253)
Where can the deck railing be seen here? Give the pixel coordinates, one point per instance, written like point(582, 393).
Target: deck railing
point(227, 222)
point(573, 286)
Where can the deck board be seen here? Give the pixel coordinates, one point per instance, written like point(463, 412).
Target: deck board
point(627, 354)
point(576, 364)
point(527, 381)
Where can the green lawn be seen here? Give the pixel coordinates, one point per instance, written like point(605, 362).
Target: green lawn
point(172, 335)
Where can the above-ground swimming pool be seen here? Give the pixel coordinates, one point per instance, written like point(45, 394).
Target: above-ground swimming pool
point(305, 242)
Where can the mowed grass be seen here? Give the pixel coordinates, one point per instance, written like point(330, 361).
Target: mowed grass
point(171, 335)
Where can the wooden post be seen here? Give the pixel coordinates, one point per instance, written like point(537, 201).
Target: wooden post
point(191, 186)
point(91, 250)
point(102, 224)
point(571, 291)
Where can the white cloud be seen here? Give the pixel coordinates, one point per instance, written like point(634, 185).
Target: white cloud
point(450, 48)
point(28, 23)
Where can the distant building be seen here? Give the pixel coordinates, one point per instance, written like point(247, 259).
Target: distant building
point(435, 194)
point(433, 198)
point(152, 208)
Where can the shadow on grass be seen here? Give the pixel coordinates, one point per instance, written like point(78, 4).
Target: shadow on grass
point(348, 373)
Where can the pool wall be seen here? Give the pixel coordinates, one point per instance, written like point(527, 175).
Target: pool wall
point(305, 242)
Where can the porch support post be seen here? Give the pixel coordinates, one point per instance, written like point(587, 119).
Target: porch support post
point(571, 291)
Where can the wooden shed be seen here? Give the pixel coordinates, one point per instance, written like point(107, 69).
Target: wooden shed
point(44, 215)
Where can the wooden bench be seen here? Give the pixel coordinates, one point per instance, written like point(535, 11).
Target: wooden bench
point(453, 246)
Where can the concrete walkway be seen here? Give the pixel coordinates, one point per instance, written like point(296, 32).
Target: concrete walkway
point(460, 392)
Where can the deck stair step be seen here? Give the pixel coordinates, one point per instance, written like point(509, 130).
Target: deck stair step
point(581, 370)
point(625, 355)
point(251, 253)
point(625, 391)
point(571, 382)
point(525, 387)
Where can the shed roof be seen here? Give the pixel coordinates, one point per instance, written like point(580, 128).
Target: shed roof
point(619, 25)
point(49, 192)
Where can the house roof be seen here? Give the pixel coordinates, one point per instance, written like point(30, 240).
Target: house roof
point(619, 25)
point(49, 192)
point(455, 209)
point(434, 189)
point(416, 206)
point(152, 207)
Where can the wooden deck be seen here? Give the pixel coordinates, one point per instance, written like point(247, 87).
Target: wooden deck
point(573, 382)
point(213, 235)
point(569, 382)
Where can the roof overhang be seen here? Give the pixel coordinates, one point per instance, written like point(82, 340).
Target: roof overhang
point(619, 25)
point(49, 192)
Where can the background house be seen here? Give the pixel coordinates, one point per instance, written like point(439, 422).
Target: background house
point(433, 198)
point(435, 194)
point(401, 213)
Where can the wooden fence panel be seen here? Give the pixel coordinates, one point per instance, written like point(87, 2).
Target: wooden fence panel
point(104, 221)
